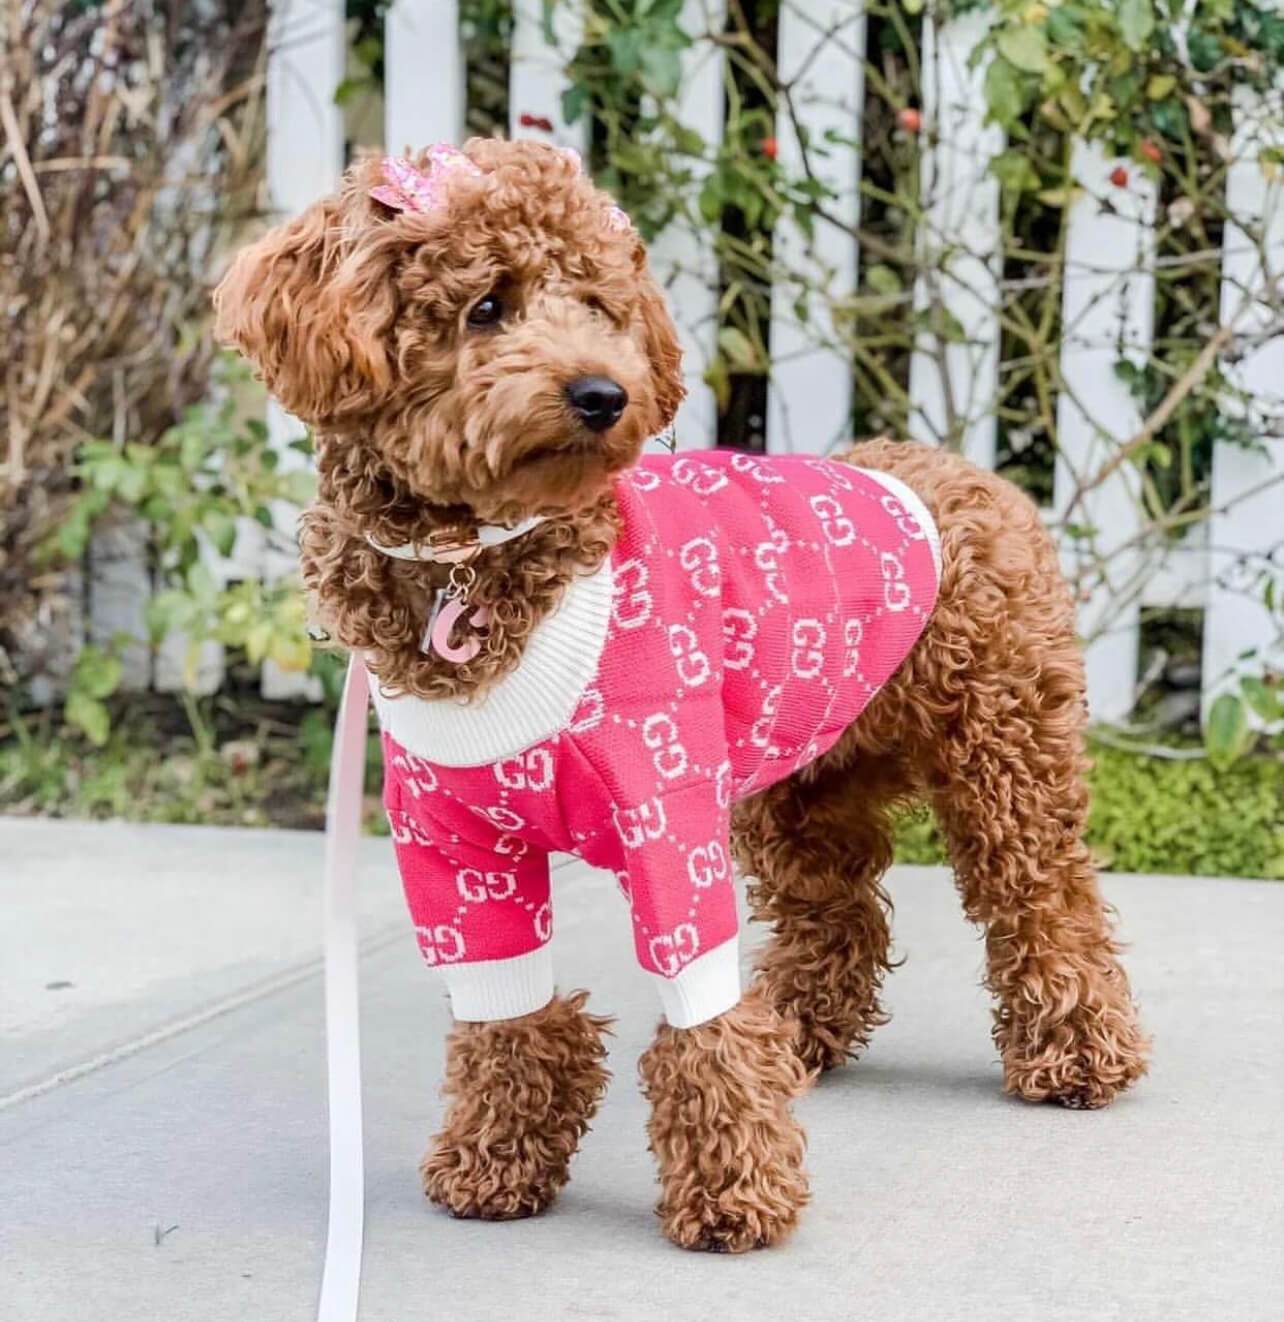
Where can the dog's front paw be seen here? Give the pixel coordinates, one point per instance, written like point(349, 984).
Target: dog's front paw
point(522, 1093)
point(474, 1184)
point(761, 1210)
point(729, 1149)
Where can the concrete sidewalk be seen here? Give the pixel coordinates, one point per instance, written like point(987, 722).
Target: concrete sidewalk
point(163, 1145)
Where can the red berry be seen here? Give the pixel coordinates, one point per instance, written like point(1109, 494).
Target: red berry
point(541, 122)
point(1151, 150)
point(910, 120)
point(1119, 177)
point(770, 148)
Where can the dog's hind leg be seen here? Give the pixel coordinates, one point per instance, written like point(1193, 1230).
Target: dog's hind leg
point(520, 1093)
point(1007, 780)
point(816, 848)
point(1013, 805)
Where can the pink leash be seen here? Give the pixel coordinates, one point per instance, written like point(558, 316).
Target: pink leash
point(341, 1279)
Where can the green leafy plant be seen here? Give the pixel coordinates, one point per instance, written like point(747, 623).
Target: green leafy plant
point(1229, 732)
point(1137, 73)
point(95, 677)
point(209, 485)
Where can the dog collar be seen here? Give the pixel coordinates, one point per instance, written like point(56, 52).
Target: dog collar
point(443, 548)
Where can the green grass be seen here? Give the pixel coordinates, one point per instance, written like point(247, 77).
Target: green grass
point(237, 760)
point(1158, 815)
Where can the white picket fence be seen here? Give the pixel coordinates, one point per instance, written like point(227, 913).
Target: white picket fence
point(1108, 300)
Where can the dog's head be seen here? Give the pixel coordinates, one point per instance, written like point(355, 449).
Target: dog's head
point(479, 329)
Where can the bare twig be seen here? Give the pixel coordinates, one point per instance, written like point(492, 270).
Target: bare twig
point(104, 258)
point(13, 136)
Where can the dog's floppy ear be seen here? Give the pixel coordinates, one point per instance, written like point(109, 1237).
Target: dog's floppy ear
point(660, 340)
point(282, 305)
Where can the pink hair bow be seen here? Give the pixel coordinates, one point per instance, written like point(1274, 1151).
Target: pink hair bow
point(409, 189)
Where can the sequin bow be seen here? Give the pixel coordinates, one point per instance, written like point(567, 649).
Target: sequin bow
point(406, 188)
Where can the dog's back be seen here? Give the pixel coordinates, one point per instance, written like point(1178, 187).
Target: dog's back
point(784, 591)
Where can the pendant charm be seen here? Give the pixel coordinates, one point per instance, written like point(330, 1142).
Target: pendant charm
point(451, 603)
point(439, 634)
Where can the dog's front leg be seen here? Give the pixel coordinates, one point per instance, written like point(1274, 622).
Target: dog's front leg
point(521, 1093)
point(729, 1149)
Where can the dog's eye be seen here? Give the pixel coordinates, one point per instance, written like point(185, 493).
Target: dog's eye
point(596, 305)
point(488, 312)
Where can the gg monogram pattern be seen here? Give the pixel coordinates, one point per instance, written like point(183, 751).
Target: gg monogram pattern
point(759, 604)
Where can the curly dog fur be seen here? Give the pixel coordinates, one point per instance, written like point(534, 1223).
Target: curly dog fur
point(729, 1149)
point(357, 321)
point(985, 720)
point(363, 323)
point(521, 1093)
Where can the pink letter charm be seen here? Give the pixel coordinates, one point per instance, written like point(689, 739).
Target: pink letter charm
point(439, 636)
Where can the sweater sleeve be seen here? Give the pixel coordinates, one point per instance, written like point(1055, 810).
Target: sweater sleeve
point(675, 866)
point(480, 906)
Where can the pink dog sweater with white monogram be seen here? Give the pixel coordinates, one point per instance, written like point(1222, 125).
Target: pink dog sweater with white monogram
point(749, 611)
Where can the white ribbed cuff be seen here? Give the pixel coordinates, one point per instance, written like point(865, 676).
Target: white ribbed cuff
point(706, 988)
point(500, 988)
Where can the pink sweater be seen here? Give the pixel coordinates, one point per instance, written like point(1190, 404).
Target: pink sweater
point(750, 610)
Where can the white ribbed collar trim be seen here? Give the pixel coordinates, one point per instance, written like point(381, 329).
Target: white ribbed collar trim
point(532, 703)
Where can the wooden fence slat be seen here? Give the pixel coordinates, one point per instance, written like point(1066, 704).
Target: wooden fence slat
point(537, 76)
point(1177, 578)
point(954, 366)
point(120, 583)
point(305, 156)
point(53, 640)
point(1107, 312)
point(424, 82)
point(1241, 634)
point(175, 667)
point(683, 257)
point(821, 52)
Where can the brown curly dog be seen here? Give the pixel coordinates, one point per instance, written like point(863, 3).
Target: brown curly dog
point(430, 353)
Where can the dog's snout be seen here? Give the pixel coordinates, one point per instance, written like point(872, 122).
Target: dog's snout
point(597, 401)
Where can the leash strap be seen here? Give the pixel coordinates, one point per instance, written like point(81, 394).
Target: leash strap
point(341, 1278)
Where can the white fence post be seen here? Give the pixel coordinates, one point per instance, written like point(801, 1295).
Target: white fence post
point(120, 583)
point(424, 82)
point(1107, 313)
point(821, 52)
point(537, 76)
point(54, 639)
point(1242, 635)
point(683, 258)
point(954, 366)
point(305, 156)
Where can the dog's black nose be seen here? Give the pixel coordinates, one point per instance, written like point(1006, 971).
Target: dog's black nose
point(597, 401)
